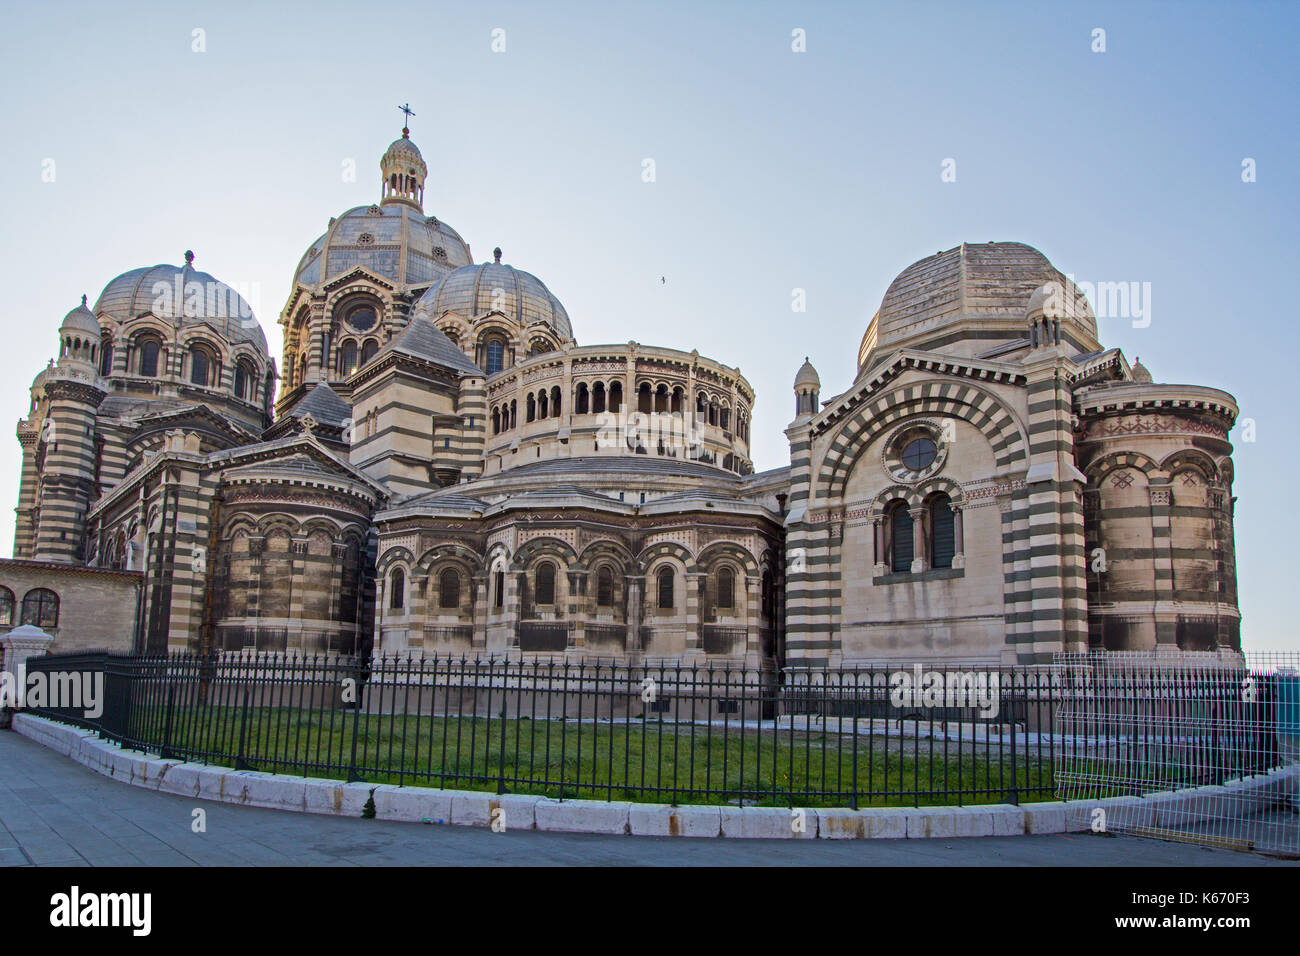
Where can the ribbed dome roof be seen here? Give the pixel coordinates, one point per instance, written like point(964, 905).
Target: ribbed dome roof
point(394, 240)
point(82, 320)
point(985, 281)
point(475, 290)
point(807, 376)
point(402, 149)
point(195, 297)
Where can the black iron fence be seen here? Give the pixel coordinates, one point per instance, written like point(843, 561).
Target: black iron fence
point(653, 732)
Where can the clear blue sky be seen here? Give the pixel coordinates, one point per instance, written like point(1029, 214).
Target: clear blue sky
point(775, 171)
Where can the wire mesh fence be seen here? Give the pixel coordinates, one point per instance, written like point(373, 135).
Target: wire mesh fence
point(1209, 743)
point(655, 732)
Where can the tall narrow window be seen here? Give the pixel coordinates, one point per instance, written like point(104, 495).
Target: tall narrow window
point(368, 350)
point(149, 358)
point(942, 532)
point(496, 356)
point(199, 366)
point(900, 538)
point(726, 588)
point(348, 358)
point(666, 588)
point(546, 583)
point(615, 396)
point(500, 584)
point(581, 403)
point(397, 589)
point(106, 358)
point(449, 589)
point(6, 607)
point(604, 588)
point(242, 380)
point(41, 608)
point(530, 409)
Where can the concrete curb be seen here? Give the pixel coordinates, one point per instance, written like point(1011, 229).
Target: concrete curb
point(524, 812)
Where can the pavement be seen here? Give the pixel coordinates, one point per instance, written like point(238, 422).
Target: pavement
point(55, 812)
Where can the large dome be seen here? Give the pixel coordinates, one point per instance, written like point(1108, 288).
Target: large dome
point(394, 240)
point(475, 290)
point(172, 292)
point(989, 284)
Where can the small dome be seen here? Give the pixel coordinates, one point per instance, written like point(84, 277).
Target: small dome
point(184, 293)
point(81, 320)
point(476, 290)
point(1140, 373)
point(402, 150)
point(807, 376)
point(394, 240)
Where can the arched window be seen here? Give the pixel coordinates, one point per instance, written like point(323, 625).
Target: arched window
point(106, 358)
point(581, 401)
point(200, 366)
point(397, 589)
point(598, 397)
point(665, 579)
point(368, 350)
point(604, 588)
point(243, 381)
point(543, 404)
point(449, 588)
point(149, 349)
point(661, 398)
point(496, 356)
point(41, 608)
point(545, 583)
point(615, 396)
point(348, 358)
point(496, 421)
point(726, 588)
point(514, 414)
point(678, 396)
point(943, 540)
point(6, 607)
point(530, 409)
point(555, 401)
point(900, 537)
point(644, 398)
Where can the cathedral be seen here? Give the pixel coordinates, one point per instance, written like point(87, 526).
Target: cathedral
point(435, 466)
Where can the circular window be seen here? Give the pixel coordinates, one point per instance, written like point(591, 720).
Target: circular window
point(919, 453)
point(362, 318)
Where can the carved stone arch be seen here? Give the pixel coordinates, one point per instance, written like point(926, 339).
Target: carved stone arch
point(606, 549)
point(939, 484)
point(278, 521)
point(394, 557)
point(942, 397)
point(895, 493)
point(322, 523)
point(470, 559)
point(1191, 458)
point(498, 558)
point(1103, 466)
point(650, 555)
point(207, 338)
point(243, 521)
point(538, 548)
point(729, 551)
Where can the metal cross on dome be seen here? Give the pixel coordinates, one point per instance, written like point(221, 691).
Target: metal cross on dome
point(406, 108)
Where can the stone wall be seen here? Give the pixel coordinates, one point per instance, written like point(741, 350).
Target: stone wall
point(96, 608)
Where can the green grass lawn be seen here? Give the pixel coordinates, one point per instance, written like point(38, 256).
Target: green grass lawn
point(642, 761)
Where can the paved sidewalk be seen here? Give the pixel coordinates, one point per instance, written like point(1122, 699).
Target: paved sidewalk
point(54, 812)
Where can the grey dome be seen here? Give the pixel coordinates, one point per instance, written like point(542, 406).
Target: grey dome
point(393, 240)
point(82, 320)
point(807, 376)
point(172, 292)
point(402, 150)
point(476, 290)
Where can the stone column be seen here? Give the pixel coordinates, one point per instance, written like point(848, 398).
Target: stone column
point(958, 538)
point(480, 598)
point(632, 616)
point(22, 642)
point(918, 540)
point(878, 536)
